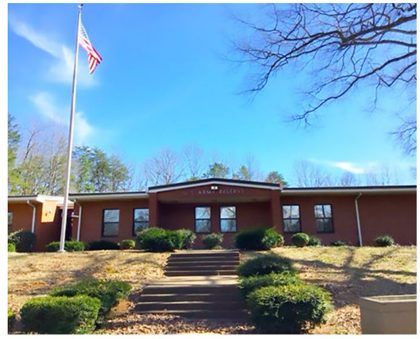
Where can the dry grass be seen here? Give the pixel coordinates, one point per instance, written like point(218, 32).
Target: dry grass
point(347, 272)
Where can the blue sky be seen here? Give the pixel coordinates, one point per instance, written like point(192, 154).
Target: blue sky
point(165, 82)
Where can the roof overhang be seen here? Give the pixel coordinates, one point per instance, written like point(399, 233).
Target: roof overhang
point(376, 190)
point(108, 196)
point(205, 182)
point(36, 198)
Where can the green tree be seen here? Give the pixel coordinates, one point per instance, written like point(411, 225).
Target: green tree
point(217, 170)
point(242, 174)
point(276, 178)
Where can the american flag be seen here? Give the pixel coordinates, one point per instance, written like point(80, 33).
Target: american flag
point(93, 56)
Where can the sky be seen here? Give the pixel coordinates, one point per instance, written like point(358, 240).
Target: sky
point(166, 80)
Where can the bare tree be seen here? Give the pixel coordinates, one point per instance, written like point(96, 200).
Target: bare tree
point(348, 179)
point(310, 175)
point(194, 161)
point(343, 44)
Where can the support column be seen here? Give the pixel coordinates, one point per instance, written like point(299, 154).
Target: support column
point(276, 213)
point(153, 210)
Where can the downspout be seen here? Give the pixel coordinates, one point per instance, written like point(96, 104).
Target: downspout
point(33, 215)
point(79, 222)
point(359, 229)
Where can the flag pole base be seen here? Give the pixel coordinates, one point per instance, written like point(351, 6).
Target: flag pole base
point(61, 251)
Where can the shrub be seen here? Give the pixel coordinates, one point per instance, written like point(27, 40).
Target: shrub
point(249, 284)
point(11, 319)
point(11, 247)
point(339, 243)
point(157, 240)
point(265, 264)
point(102, 245)
point(127, 244)
point(288, 309)
point(69, 246)
point(384, 241)
point(314, 241)
point(60, 315)
point(107, 291)
point(23, 240)
point(212, 241)
point(300, 239)
point(188, 237)
point(259, 239)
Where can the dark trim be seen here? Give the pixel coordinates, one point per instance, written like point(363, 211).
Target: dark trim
point(348, 188)
point(134, 219)
point(103, 222)
point(300, 219)
point(220, 218)
point(332, 219)
point(106, 193)
point(195, 219)
point(208, 180)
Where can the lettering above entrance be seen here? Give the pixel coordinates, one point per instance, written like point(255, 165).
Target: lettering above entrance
point(213, 190)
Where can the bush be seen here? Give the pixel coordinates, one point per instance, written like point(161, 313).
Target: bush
point(11, 247)
point(107, 291)
point(300, 239)
point(127, 244)
point(265, 264)
point(249, 284)
point(69, 246)
point(23, 240)
point(60, 315)
point(11, 319)
point(314, 241)
point(384, 241)
point(288, 309)
point(212, 241)
point(102, 245)
point(260, 239)
point(188, 237)
point(157, 240)
point(338, 243)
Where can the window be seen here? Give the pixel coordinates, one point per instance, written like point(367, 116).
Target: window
point(323, 217)
point(9, 222)
point(228, 219)
point(141, 219)
point(202, 219)
point(291, 218)
point(111, 219)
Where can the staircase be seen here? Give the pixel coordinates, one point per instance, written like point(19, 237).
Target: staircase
point(199, 285)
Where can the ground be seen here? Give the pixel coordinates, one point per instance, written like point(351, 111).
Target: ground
point(347, 272)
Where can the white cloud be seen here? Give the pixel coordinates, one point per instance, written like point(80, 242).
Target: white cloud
point(348, 166)
point(83, 130)
point(62, 69)
point(355, 168)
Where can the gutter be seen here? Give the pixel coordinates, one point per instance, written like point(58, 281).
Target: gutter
point(79, 222)
point(359, 229)
point(33, 215)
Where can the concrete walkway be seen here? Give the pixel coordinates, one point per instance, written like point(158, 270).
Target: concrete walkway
point(198, 284)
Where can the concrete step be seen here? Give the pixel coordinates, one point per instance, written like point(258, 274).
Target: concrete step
point(189, 256)
point(170, 289)
point(190, 305)
point(203, 262)
point(179, 273)
point(211, 297)
point(198, 267)
point(242, 316)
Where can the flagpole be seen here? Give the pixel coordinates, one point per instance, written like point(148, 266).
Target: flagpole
point(70, 143)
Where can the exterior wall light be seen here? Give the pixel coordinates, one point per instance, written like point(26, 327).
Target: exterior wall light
point(214, 188)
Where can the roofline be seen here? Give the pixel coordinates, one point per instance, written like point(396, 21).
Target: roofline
point(214, 181)
point(348, 190)
point(108, 196)
point(37, 198)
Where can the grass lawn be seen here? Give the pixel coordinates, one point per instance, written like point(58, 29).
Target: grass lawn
point(347, 272)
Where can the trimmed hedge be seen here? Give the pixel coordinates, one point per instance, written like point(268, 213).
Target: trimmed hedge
point(11, 319)
point(11, 247)
point(107, 291)
point(187, 238)
point(249, 284)
point(300, 239)
point(212, 241)
point(60, 315)
point(384, 241)
point(69, 246)
point(288, 309)
point(127, 244)
point(102, 245)
point(339, 243)
point(24, 241)
point(156, 239)
point(265, 264)
point(260, 239)
point(314, 241)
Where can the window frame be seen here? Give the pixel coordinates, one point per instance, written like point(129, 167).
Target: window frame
point(283, 218)
point(104, 223)
point(197, 219)
point(221, 219)
point(134, 219)
point(9, 226)
point(324, 218)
